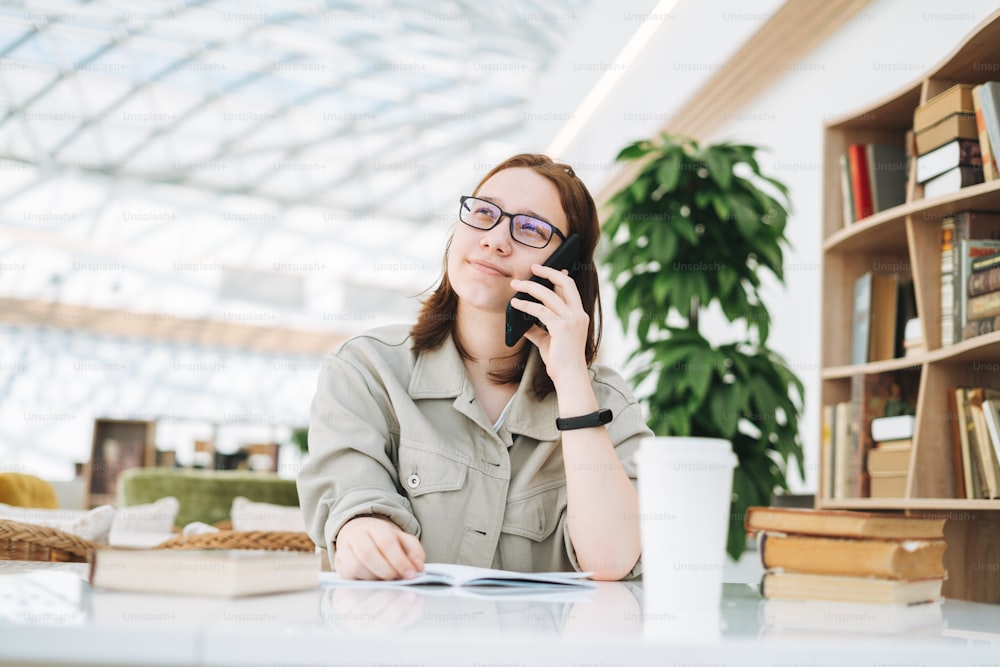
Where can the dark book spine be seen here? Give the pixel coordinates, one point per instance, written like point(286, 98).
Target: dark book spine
point(984, 281)
point(981, 326)
point(986, 262)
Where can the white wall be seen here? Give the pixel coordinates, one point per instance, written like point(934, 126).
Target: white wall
point(884, 47)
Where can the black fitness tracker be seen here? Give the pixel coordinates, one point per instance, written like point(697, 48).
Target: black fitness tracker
point(599, 418)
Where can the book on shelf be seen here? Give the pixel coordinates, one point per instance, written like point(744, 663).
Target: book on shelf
point(877, 333)
point(991, 414)
point(965, 458)
point(988, 97)
point(843, 523)
point(984, 445)
point(450, 574)
point(799, 586)
point(887, 559)
point(986, 262)
point(204, 572)
point(981, 282)
point(846, 195)
point(895, 427)
point(956, 99)
point(828, 421)
point(957, 153)
point(861, 191)
point(960, 125)
point(987, 148)
point(955, 228)
point(887, 484)
point(889, 460)
point(978, 327)
point(887, 164)
point(876, 395)
point(845, 440)
point(913, 337)
point(983, 306)
point(952, 180)
point(980, 306)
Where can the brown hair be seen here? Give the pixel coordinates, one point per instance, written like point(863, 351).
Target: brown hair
point(436, 321)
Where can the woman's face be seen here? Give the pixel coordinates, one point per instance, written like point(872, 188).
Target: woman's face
point(481, 263)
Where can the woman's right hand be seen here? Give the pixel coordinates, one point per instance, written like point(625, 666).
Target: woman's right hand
point(373, 548)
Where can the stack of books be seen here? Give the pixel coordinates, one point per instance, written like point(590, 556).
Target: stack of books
point(981, 270)
point(889, 459)
point(967, 237)
point(844, 556)
point(949, 155)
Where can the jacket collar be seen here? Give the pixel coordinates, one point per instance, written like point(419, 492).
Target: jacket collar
point(440, 373)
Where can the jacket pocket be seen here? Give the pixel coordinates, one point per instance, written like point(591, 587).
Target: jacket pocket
point(535, 514)
point(423, 470)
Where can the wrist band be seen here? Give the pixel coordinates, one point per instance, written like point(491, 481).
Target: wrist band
point(598, 418)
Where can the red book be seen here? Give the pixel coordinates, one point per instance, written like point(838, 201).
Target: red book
point(857, 158)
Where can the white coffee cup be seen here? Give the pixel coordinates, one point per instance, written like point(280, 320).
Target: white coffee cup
point(685, 488)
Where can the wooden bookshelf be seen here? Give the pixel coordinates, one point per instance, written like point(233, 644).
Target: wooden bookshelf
point(909, 236)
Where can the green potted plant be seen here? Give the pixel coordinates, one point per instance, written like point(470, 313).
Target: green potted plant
point(697, 228)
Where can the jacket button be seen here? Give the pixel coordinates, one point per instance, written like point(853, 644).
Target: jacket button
point(413, 481)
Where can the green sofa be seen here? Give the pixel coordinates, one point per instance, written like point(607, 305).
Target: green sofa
point(204, 495)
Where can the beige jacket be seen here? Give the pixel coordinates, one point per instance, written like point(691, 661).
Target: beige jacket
point(401, 434)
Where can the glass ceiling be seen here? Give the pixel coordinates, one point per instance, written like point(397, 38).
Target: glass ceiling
point(269, 164)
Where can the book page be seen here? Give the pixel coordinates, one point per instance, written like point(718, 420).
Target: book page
point(465, 575)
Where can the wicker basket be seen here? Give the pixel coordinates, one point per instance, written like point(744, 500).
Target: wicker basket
point(25, 541)
point(272, 540)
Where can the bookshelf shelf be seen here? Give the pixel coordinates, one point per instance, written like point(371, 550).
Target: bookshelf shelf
point(906, 240)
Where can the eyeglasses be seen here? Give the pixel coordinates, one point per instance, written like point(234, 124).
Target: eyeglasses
point(526, 230)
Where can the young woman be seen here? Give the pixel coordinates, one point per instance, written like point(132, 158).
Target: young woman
point(438, 443)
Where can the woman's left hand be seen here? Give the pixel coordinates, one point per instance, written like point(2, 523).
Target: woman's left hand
point(563, 342)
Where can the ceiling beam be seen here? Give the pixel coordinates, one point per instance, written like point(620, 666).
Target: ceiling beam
point(169, 328)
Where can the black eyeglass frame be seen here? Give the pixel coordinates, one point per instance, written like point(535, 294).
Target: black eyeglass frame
point(510, 218)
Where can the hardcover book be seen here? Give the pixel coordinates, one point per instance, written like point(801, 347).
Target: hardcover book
point(988, 95)
point(952, 180)
point(861, 191)
point(956, 126)
point(209, 572)
point(886, 174)
point(843, 523)
point(982, 282)
point(957, 99)
point(798, 586)
point(886, 559)
point(957, 153)
point(982, 134)
point(986, 262)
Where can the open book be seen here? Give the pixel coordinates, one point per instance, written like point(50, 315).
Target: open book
point(465, 575)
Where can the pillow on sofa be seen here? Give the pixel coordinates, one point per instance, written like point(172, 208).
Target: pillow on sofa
point(156, 517)
point(249, 515)
point(93, 525)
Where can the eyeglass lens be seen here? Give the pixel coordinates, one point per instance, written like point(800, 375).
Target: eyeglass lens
point(524, 229)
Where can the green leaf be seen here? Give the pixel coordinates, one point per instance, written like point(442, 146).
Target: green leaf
point(634, 150)
point(668, 173)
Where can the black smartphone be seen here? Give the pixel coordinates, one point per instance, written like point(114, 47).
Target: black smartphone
point(566, 256)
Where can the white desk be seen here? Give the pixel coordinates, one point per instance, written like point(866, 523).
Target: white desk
point(48, 615)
